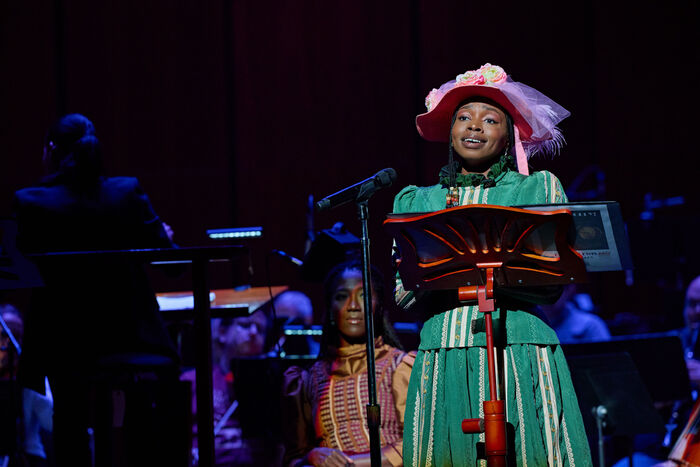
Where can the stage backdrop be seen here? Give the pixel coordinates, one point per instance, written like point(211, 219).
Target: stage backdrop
point(234, 112)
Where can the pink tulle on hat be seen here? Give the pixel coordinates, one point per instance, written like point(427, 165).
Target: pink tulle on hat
point(535, 115)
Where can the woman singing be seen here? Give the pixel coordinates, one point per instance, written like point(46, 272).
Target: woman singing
point(491, 125)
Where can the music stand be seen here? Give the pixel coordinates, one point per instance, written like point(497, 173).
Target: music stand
point(608, 406)
point(658, 358)
point(661, 377)
point(476, 249)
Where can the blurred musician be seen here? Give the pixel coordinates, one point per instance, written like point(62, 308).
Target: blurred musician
point(37, 409)
point(90, 319)
point(234, 340)
point(689, 334)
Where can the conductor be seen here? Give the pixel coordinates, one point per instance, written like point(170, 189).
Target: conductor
point(91, 319)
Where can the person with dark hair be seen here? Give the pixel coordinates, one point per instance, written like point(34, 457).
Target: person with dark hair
point(491, 124)
point(92, 319)
point(242, 337)
point(325, 407)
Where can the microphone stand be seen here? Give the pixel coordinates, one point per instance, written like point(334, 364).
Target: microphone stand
point(373, 409)
point(360, 193)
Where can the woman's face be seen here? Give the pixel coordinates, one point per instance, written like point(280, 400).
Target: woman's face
point(479, 135)
point(348, 308)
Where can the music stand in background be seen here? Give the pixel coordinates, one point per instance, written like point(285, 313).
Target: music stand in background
point(658, 358)
point(613, 398)
point(18, 271)
point(661, 378)
point(474, 250)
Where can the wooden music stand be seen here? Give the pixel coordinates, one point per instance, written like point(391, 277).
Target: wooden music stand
point(476, 249)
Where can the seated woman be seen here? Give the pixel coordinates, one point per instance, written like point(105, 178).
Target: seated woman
point(325, 407)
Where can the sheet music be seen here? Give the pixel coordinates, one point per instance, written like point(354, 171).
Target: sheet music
point(184, 302)
point(593, 234)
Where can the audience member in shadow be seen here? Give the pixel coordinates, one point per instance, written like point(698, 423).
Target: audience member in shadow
point(295, 308)
point(573, 318)
point(95, 321)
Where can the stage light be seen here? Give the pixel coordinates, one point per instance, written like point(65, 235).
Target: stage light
point(238, 232)
point(297, 330)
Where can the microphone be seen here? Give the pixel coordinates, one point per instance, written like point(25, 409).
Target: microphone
point(360, 191)
point(288, 257)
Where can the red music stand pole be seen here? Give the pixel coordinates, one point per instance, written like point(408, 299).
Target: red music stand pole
point(493, 425)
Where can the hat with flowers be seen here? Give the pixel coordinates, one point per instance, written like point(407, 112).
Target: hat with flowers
point(534, 115)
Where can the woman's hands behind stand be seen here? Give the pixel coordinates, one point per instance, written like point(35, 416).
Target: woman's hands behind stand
point(328, 457)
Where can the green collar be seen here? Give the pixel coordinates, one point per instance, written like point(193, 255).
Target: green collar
point(504, 164)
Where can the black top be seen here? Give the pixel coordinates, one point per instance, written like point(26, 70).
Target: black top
point(89, 309)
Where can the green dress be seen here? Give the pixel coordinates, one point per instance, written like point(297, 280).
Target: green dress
point(449, 380)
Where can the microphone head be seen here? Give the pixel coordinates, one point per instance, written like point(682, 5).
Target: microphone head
point(385, 177)
point(323, 204)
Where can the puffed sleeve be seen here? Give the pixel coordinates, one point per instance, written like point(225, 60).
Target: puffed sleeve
point(399, 389)
point(405, 198)
point(402, 203)
point(541, 188)
point(296, 416)
point(419, 199)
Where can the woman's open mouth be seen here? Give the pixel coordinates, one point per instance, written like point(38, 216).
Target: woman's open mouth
point(469, 142)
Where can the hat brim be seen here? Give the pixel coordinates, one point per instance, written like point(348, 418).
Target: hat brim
point(436, 124)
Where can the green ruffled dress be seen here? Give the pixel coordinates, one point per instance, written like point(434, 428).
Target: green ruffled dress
point(449, 380)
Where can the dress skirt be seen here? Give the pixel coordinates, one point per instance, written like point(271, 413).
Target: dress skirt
point(448, 385)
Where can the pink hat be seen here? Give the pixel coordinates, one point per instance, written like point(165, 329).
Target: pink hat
point(535, 116)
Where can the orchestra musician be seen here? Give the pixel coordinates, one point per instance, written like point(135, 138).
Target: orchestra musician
point(90, 321)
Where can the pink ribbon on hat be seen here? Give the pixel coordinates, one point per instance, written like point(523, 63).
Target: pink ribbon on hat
point(520, 154)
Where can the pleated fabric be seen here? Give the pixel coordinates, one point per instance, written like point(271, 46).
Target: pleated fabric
point(449, 385)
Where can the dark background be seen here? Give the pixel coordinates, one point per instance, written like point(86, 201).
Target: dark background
point(232, 112)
